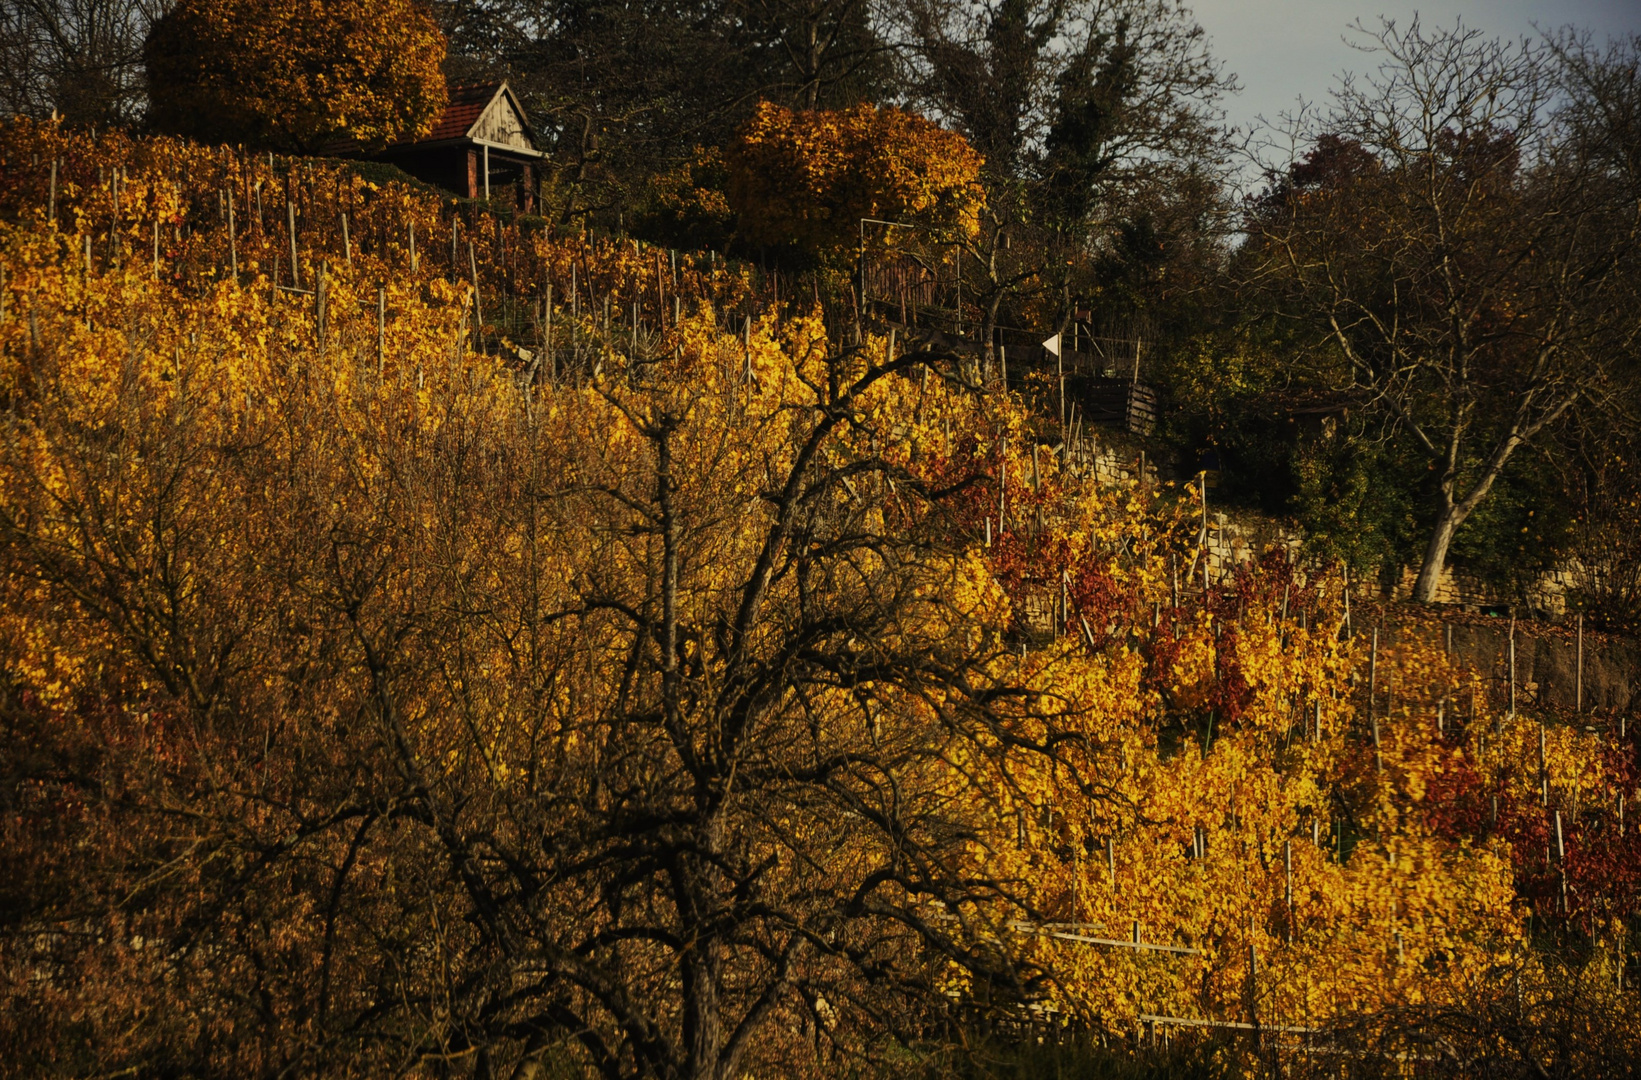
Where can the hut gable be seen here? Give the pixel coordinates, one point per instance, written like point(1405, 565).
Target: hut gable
point(483, 113)
point(502, 123)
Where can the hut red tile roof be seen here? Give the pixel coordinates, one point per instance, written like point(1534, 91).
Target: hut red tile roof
point(466, 104)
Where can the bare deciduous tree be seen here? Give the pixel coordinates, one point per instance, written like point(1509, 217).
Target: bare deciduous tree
point(1458, 269)
point(82, 58)
point(659, 738)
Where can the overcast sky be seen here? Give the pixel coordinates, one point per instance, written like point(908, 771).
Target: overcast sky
point(1283, 49)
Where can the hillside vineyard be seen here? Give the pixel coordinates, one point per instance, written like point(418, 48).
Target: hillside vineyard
point(442, 642)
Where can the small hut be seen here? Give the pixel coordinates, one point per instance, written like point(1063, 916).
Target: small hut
point(481, 147)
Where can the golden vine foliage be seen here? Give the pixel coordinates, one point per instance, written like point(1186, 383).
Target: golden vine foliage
point(404, 692)
point(807, 178)
point(298, 75)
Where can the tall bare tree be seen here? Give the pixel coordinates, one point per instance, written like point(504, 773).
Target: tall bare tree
point(1458, 267)
point(652, 731)
point(82, 58)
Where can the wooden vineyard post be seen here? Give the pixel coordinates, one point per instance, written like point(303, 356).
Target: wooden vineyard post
point(381, 327)
point(1512, 667)
point(347, 239)
point(1287, 871)
point(1561, 862)
point(547, 336)
point(1059, 360)
point(1002, 503)
point(156, 249)
point(1373, 712)
point(233, 240)
point(320, 305)
point(290, 225)
point(1543, 772)
point(51, 207)
point(1202, 484)
point(1346, 627)
point(1373, 671)
point(1578, 691)
point(1253, 985)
